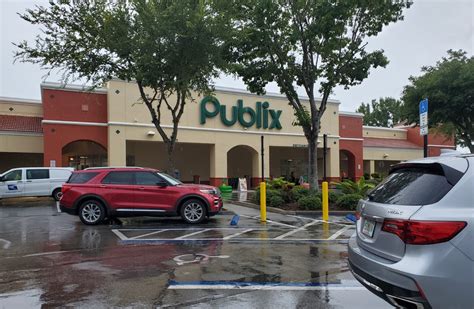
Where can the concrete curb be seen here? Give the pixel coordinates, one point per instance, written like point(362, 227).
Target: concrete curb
point(294, 212)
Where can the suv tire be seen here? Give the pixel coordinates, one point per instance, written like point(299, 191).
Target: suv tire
point(193, 211)
point(91, 212)
point(57, 194)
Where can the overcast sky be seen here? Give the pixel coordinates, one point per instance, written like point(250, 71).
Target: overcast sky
point(430, 28)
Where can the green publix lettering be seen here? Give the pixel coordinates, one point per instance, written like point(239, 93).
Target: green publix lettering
point(258, 116)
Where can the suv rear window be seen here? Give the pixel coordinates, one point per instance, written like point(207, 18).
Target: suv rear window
point(81, 177)
point(412, 186)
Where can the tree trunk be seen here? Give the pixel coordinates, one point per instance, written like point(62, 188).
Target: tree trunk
point(313, 162)
point(170, 149)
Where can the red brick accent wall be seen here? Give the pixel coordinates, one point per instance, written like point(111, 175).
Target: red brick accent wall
point(351, 127)
point(437, 141)
point(72, 106)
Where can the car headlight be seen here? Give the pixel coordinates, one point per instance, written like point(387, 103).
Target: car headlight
point(210, 191)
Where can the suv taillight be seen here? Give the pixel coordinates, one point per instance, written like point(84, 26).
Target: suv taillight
point(423, 232)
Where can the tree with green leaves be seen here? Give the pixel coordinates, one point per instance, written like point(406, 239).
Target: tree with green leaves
point(386, 112)
point(313, 45)
point(449, 87)
point(171, 49)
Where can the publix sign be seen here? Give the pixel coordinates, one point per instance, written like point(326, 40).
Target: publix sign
point(261, 117)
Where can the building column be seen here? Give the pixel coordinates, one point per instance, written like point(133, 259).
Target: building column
point(117, 150)
point(257, 166)
point(333, 164)
point(371, 167)
point(218, 164)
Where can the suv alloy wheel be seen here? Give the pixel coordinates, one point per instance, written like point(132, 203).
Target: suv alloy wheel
point(91, 212)
point(193, 211)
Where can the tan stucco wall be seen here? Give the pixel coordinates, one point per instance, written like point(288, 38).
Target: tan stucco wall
point(190, 159)
point(126, 106)
point(375, 153)
point(133, 120)
point(384, 132)
point(20, 107)
point(15, 142)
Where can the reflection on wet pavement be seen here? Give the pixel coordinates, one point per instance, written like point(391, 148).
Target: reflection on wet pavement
point(54, 260)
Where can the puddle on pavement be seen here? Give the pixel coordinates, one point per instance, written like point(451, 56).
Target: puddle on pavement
point(21, 299)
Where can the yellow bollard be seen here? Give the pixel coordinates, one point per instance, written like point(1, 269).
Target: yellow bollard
point(263, 202)
point(325, 197)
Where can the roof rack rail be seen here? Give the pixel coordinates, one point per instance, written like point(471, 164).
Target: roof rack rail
point(110, 167)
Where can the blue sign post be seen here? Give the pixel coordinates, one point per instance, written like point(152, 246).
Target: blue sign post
point(424, 125)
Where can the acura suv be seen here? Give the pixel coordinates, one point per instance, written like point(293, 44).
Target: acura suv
point(98, 193)
point(414, 241)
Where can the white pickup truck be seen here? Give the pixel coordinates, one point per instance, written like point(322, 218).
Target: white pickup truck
point(34, 181)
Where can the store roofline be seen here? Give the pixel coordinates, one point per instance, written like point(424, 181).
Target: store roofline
point(20, 100)
point(351, 114)
point(246, 92)
point(384, 129)
point(72, 87)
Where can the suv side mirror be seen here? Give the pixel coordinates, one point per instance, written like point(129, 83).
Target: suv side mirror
point(1, 178)
point(162, 184)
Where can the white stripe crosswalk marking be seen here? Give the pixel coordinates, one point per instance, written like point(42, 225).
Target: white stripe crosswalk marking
point(339, 233)
point(148, 234)
point(298, 229)
point(192, 234)
point(237, 234)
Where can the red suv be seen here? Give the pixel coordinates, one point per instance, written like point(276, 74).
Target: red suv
point(98, 193)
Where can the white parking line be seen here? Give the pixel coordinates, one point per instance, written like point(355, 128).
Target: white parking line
point(339, 233)
point(264, 287)
point(192, 234)
point(270, 221)
point(120, 235)
point(323, 221)
point(237, 234)
point(148, 234)
point(298, 229)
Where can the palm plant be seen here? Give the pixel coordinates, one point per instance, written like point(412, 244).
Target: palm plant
point(360, 187)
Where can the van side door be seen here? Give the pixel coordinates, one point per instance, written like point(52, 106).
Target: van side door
point(37, 182)
point(11, 184)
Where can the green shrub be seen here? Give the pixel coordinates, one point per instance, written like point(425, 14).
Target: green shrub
point(275, 200)
point(359, 187)
point(270, 194)
point(279, 183)
point(348, 201)
point(298, 192)
point(333, 196)
point(310, 202)
point(375, 175)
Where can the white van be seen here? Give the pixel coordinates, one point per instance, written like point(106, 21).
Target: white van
point(34, 181)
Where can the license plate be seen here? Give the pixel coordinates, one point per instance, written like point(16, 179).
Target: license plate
point(368, 228)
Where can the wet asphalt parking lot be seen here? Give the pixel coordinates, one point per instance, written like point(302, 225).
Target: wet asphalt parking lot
point(49, 259)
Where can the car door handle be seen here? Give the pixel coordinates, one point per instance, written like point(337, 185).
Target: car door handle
point(141, 188)
point(103, 186)
point(27, 181)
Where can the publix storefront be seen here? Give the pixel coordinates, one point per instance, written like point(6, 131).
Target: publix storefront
point(219, 136)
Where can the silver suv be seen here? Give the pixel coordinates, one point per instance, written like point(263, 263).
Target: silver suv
point(414, 244)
